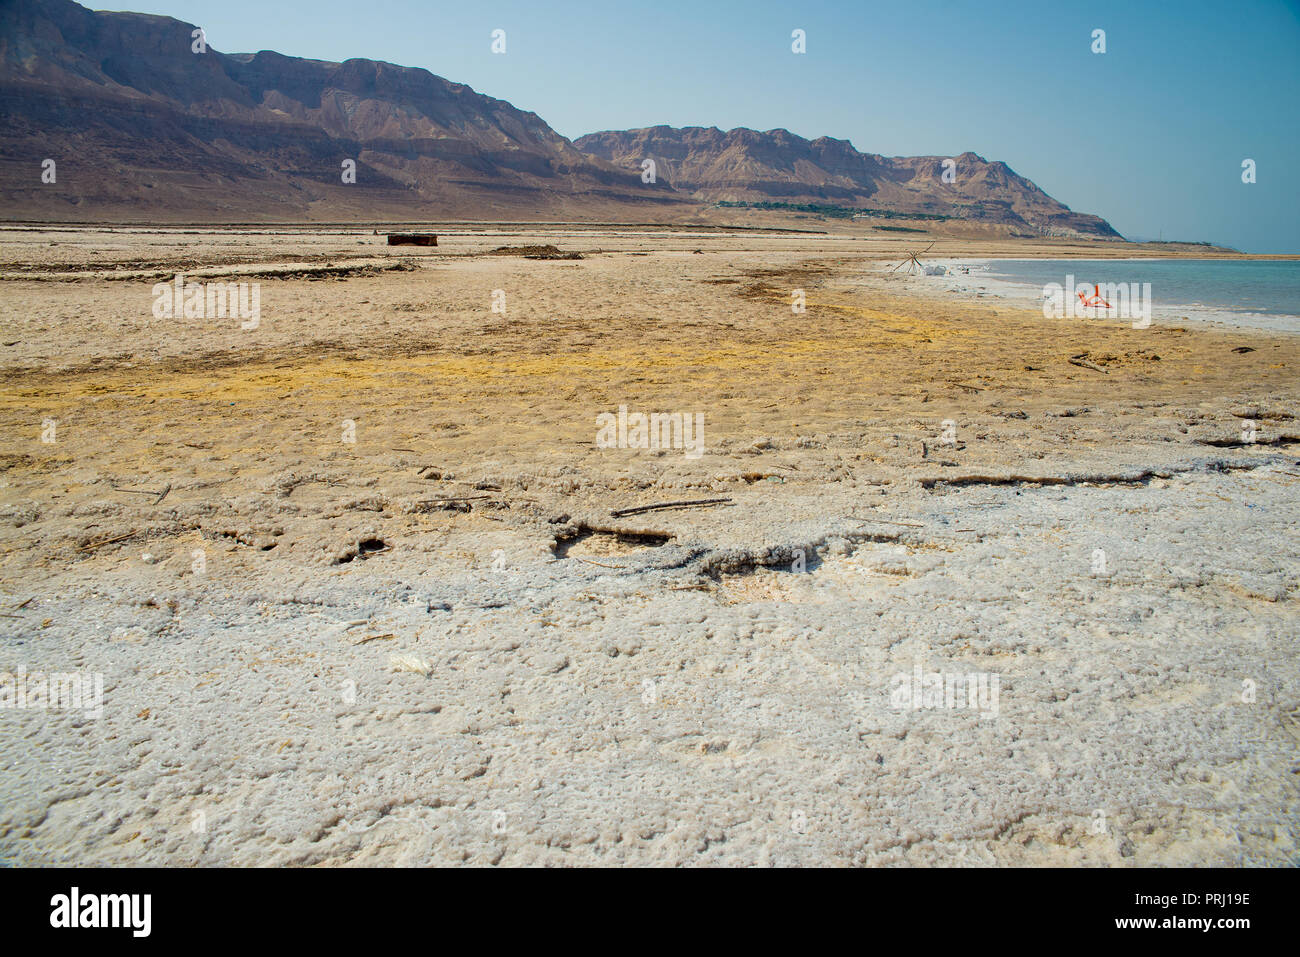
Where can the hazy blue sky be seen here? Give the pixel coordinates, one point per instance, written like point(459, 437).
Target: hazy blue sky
point(1151, 134)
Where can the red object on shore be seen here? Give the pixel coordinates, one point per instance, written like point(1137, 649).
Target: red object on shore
point(1094, 301)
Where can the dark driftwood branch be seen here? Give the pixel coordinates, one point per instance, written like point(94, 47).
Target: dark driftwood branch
point(91, 546)
point(635, 510)
point(158, 496)
point(882, 521)
point(1080, 360)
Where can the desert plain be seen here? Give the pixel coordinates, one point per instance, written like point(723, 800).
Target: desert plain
point(358, 594)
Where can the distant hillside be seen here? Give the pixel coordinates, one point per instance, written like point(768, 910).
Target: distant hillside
point(744, 165)
point(142, 127)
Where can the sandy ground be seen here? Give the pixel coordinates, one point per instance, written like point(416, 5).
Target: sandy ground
point(383, 613)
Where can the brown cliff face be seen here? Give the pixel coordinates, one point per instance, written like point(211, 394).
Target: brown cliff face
point(745, 165)
point(141, 127)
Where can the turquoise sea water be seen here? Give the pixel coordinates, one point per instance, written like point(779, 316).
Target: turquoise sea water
point(1262, 287)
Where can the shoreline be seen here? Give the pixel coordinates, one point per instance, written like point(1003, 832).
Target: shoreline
point(1029, 295)
point(1036, 247)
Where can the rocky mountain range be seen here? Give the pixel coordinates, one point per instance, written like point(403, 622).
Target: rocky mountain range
point(747, 166)
point(142, 125)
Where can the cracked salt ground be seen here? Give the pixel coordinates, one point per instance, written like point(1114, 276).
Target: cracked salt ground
point(865, 575)
point(767, 733)
point(437, 643)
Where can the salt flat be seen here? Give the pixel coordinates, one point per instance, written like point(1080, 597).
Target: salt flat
point(383, 612)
